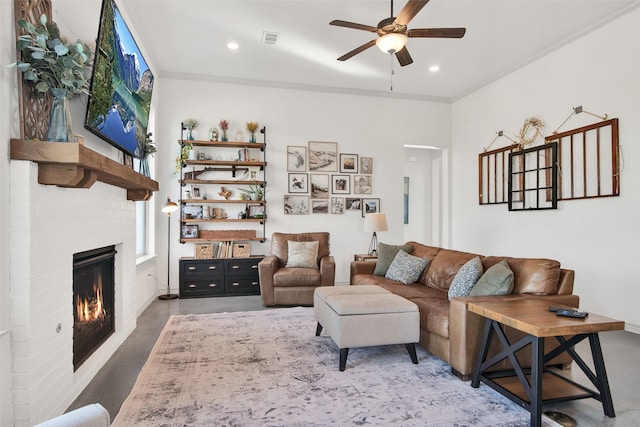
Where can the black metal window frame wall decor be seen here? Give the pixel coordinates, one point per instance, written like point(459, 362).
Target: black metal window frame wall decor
point(533, 178)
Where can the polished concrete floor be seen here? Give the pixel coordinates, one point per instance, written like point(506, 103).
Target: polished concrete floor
point(114, 381)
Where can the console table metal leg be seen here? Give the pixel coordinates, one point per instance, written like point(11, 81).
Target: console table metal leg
point(601, 374)
point(537, 369)
point(482, 354)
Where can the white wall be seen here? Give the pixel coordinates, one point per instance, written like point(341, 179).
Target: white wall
point(598, 238)
point(359, 124)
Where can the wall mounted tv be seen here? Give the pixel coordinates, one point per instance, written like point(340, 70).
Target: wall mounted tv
point(121, 86)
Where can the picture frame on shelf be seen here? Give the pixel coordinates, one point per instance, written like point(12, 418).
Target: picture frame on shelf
point(320, 206)
point(296, 158)
point(340, 184)
point(366, 165)
point(256, 211)
point(298, 183)
point(192, 212)
point(337, 205)
point(362, 184)
point(370, 206)
point(197, 192)
point(189, 231)
point(323, 156)
point(353, 204)
point(348, 163)
point(319, 186)
point(296, 204)
point(201, 155)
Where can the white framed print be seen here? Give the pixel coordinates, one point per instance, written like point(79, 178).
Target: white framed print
point(323, 156)
point(362, 184)
point(296, 204)
point(337, 205)
point(296, 158)
point(319, 186)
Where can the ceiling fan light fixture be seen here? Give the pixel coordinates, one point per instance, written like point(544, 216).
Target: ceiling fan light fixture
point(392, 42)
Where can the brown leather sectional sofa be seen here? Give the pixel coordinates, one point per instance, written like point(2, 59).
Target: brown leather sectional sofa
point(447, 329)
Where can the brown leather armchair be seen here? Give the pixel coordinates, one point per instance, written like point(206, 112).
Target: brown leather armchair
point(294, 285)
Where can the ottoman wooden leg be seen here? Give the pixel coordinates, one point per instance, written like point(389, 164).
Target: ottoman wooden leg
point(344, 352)
point(411, 348)
point(318, 329)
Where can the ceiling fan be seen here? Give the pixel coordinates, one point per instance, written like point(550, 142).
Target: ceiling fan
point(393, 32)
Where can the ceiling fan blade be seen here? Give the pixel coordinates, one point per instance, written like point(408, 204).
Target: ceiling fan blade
point(453, 33)
point(347, 24)
point(409, 11)
point(403, 57)
point(357, 50)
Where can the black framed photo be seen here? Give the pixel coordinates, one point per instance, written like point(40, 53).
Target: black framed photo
point(296, 204)
point(189, 231)
point(319, 186)
point(348, 163)
point(340, 184)
point(298, 183)
point(296, 158)
point(370, 206)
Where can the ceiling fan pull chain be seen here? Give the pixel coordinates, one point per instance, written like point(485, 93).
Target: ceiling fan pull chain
point(392, 72)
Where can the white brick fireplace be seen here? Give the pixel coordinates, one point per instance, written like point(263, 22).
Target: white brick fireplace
point(48, 225)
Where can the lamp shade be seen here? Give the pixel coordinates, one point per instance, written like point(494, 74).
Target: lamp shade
point(392, 42)
point(375, 222)
point(169, 207)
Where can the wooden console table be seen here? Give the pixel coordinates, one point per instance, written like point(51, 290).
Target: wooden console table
point(532, 387)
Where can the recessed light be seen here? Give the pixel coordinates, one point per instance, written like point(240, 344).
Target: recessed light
point(434, 68)
point(232, 45)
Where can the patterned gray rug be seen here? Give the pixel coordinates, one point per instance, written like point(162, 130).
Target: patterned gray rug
point(267, 368)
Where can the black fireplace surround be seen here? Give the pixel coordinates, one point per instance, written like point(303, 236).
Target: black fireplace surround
point(93, 301)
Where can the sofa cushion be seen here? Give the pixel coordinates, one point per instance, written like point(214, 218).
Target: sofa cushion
point(536, 276)
point(497, 280)
point(386, 254)
point(296, 277)
point(302, 254)
point(466, 278)
point(423, 251)
point(444, 267)
point(406, 268)
point(434, 315)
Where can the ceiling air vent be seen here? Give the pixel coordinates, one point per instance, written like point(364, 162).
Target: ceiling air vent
point(269, 37)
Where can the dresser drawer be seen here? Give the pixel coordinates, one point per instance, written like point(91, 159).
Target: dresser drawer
point(242, 266)
point(201, 267)
point(209, 286)
point(242, 285)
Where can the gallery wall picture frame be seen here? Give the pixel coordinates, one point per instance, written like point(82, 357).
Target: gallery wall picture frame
point(366, 165)
point(296, 158)
point(320, 206)
point(348, 163)
point(323, 156)
point(298, 183)
point(197, 192)
point(296, 204)
point(189, 231)
point(319, 186)
point(340, 184)
point(370, 206)
point(337, 205)
point(353, 204)
point(362, 184)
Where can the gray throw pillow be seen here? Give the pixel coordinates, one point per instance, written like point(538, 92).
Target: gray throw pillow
point(302, 254)
point(386, 254)
point(466, 278)
point(406, 268)
point(497, 280)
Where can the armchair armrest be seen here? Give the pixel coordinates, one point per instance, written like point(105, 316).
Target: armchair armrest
point(327, 271)
point(266, 269)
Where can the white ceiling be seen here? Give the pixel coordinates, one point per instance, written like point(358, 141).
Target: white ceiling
point(188, 38)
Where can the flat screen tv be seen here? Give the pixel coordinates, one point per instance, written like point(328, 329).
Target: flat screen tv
point(121, 86)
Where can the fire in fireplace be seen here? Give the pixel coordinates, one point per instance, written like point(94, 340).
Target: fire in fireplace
point(93, 301)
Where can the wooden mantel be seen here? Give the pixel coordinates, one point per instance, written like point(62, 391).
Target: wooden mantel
point(72, 165)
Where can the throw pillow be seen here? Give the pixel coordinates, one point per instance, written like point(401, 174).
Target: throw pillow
point(406, 268)
point(497, 280)
point(386, 254)
point(466, 278)
point(302, 254)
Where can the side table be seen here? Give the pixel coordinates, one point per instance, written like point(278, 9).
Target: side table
point(365, 257)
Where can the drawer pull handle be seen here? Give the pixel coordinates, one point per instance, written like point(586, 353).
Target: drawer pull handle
point(254, 266)
point(192, 286)
point(235, 284)
point(254, 283)
point(213, 285)
point(212, 267)
point(191, 268)
point(235, 267)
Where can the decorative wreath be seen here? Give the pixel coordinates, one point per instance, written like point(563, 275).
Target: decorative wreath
point(530, 123)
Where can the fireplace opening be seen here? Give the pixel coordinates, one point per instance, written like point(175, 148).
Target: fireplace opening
point(93, 301)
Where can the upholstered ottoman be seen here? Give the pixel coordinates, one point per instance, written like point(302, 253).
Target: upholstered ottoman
point(366, 315)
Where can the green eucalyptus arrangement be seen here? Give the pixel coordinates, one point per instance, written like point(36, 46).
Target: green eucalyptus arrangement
point(48, 61)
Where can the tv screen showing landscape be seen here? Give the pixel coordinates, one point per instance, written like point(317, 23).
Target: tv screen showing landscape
point(121, 86)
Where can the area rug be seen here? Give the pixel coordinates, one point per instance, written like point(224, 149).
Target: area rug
point(267, 368)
